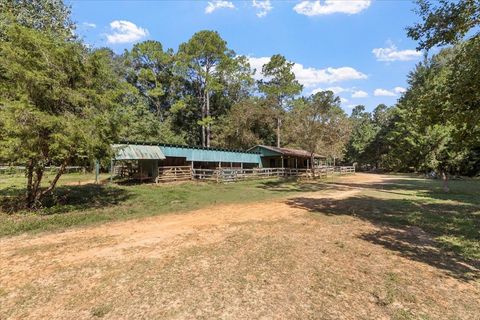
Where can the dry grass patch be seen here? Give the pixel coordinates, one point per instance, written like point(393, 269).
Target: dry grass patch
point(280, 259)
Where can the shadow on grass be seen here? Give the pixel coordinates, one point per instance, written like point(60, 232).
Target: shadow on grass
point(442, 235)
point(295, 185)
point(66, 199)
point(462, 191)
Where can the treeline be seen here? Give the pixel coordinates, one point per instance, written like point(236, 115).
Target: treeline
point(435, 126)
point(63, 103)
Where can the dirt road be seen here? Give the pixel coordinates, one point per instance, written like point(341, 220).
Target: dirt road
point(270, 260)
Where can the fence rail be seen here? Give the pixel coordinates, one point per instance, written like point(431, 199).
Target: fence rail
point(180, 173)
point(21, 169)
point(167, 174)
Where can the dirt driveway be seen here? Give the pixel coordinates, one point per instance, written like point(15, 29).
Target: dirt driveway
point(269, 260)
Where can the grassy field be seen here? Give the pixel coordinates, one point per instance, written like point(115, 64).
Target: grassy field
point(452, 217)
point(357, 247)
point(76, 203)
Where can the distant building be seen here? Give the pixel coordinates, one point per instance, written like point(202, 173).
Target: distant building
point(144, 159)
point(274, 157)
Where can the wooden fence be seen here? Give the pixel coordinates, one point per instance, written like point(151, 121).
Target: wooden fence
point(180, 173)
point(167, 174)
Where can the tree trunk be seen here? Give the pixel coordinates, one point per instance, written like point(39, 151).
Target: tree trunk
point(29, 195)
point(207, 112)
point(203, 118)
point(279, 123)
point(445, 181)
point(36, 185)
point(54, 181)
point(312, 160)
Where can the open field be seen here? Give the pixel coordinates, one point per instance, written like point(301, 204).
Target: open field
point(360, 247)
point(78, 203)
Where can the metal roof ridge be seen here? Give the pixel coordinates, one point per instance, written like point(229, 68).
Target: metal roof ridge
point(187, 146)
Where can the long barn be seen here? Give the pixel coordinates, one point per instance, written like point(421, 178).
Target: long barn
point(148, 161)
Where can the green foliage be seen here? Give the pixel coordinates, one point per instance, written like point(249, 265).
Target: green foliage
point(318, 125)
point(281, 84)
point(247, 123)
point(446, 22)
point(50, 16)
point(280, 88)
point(150, 70)
point(62, 96)
point(203, 60)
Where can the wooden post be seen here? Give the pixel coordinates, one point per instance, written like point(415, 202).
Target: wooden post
point(192, 170)
point(97, 170)
point(283, 171)
point(111, 169)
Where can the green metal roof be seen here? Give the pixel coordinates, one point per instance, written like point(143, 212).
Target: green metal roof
point(137, 152)
point(190, 153)
point(210, 154)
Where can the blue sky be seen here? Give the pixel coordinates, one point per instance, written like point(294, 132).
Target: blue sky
point(358, 48)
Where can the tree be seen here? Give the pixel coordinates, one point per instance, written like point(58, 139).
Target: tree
point(51, 16)
point(362, 134)
point(204, 59)
point(246, 124)
point(57, 103)
point(318, 125)
point(445, 23)
point(279, 86)
point(151, 71)
point(140, 124)
point(441, 110)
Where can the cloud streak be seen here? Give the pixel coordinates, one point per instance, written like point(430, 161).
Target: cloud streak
point(317, 8)
point(263, 6)
point(125, 32)
point(218, 4)
point(392, 53)
point(311, 77)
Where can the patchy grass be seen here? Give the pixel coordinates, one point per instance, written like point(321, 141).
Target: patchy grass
point(417, 218)
point(83, 204)
point(339, 253)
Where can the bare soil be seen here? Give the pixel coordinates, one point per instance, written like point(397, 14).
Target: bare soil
point(268, 260)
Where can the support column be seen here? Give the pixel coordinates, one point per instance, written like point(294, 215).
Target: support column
point(192, 169)
point(112, 162)
point(97, 171)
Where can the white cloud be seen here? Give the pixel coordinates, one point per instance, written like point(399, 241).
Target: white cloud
point(257, 64)
point(359, 94)
point(315, 8)
point(89, 25)
point(311, 77)
point(335, 90)
point(343, 100)
point(384, 93)
point(399, 89)
point(218, 4)
point(263, 6)
point(392, 53)
point(125, 32)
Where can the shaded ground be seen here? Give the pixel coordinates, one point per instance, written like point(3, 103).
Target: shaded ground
point(353, 250)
